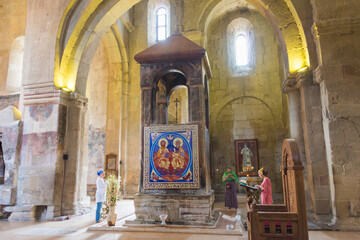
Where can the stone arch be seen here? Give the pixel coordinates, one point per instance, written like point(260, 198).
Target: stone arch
point(14, 76)
point(235, 99)
point(115, 123)
point(76, 52)
point(283, 18)
point(99, 15)
point(246, 117)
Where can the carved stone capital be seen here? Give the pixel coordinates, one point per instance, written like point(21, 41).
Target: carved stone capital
point(289, 84)
point(319, 74)
point(304, 79)
point(77, 100)
point(296, 81)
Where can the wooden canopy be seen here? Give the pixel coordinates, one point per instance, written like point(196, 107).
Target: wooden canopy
point(175, 48)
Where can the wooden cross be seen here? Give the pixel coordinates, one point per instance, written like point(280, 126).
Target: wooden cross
point(176, 101)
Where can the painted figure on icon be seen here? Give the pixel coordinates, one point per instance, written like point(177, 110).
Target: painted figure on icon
point(170, 159)
point(178, 155)
point(162, 155)
point(247, 154)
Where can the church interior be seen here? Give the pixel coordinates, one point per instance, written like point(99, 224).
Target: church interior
point(166, 95)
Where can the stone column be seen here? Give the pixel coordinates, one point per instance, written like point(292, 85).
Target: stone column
point(296, 129)
point(338, 48)
point(74, 194)
point(316, 164)
point(40, 172)
point(52, 172)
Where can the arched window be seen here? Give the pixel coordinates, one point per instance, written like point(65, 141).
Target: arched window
point(241, 50)
point(241, 47)
point(161, 24)
point(158, 21)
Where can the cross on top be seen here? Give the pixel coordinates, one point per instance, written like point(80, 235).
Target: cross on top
point(176, 101)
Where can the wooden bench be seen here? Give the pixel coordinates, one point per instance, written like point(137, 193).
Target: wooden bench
point(288, 220)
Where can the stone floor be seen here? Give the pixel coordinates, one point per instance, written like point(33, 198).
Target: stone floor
point(77, 228)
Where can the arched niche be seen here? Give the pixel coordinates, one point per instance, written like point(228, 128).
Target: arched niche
point(179, 105)
point(14, 77)
point(168, 84)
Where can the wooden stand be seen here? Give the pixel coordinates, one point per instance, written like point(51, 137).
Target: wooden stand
point(282, 221)
point(252, 192)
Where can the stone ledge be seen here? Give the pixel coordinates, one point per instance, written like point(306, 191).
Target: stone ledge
point(189, 209)
point(167, 230)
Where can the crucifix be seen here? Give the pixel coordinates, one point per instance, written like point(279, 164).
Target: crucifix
point(176, 102)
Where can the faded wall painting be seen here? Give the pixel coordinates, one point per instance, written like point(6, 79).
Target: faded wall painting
point(96, 152)
point(9, 100)
point(171, 157)
point(39, 149)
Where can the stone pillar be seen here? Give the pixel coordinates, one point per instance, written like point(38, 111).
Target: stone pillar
point(40, 178)
point(74, 195)
point(316, 164)
point(296, 129)
point(338, 48)
point(52, 161)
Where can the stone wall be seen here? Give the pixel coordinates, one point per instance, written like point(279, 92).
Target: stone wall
point(97, 93)
point(251, 106)
point(336, 34)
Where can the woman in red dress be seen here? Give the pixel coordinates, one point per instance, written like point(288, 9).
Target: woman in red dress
point(266, 195)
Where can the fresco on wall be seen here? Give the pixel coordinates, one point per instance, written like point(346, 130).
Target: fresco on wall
point(39, 149)
point(171, 157)
point(10, 138)
point(9, 100)
point(41, 118)
point(96, 152)
point(41, 112)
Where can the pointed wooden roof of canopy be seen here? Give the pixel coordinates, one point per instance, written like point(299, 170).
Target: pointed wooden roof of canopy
point(176, 47)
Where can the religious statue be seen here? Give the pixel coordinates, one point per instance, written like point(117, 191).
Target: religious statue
point(247, 154)
point(161, 101)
